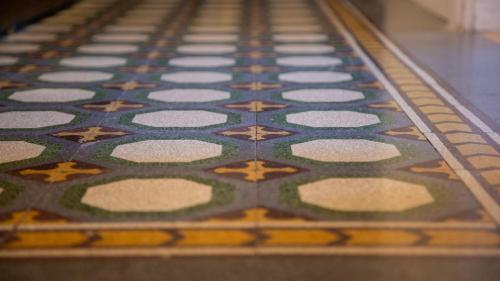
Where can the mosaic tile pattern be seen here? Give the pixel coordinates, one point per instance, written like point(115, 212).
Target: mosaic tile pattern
point(243, 126)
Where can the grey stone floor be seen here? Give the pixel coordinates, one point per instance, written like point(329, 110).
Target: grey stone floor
point(467, 63)
point(253, 268)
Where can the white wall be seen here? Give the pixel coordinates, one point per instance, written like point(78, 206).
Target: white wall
point(487, 15)
point(451, 10)
point(466, 14)
point(443, 8)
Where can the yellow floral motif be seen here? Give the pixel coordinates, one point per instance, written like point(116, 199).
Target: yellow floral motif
point(255, 170)
point(256, 133)
point(89, 134)
point(61, 172)
point(112, 106)
point(256, 106)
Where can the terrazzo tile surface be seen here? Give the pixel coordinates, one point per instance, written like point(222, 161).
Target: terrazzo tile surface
point(231, 127)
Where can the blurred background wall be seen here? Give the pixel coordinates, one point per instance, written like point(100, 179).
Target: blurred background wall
point(17, 12)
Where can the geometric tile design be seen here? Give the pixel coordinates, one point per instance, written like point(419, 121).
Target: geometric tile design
point(253, 80)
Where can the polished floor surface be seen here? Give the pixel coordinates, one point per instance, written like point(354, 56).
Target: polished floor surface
point(257, 129)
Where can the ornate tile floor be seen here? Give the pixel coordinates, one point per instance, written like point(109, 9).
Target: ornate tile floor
point(157, 128)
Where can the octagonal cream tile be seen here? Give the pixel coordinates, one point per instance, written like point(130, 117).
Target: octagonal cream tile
point(147, 195)
point(200, 77)
point(345, 150)
point(52, 95)
point(308, 61)
point(189, 95)
point(323, 95)
point(180, 118)
point(332, 119)
point(33, 119)
point(304, 48)
point(315, 77)
point(296, 28)
point(167, 151)
point(201, 61)
point(300, 37)
point(76, 76)
point(107, 49)
point(210, 38)
point(207, 49)
point(19, 150)
point(365, 194)
point(93, 62)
